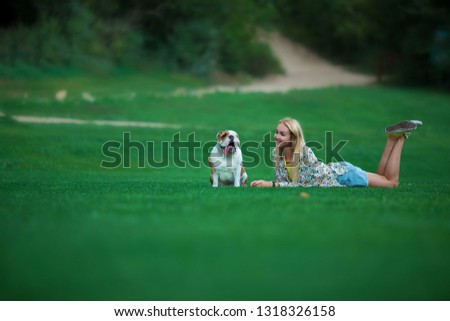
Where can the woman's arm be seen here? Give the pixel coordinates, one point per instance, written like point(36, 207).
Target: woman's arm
point(263, 183)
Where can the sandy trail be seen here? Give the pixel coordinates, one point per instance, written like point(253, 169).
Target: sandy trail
point(303, 70)
point(75, 121)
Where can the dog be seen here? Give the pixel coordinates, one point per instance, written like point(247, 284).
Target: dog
point(225, 161)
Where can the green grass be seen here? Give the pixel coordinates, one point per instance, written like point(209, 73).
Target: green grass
point(71, 230)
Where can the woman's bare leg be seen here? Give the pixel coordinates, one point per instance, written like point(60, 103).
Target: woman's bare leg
point(393, 166)
point(390, 143)
point(391, 173)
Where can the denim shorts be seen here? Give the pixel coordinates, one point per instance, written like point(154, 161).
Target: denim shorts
point(354, 177)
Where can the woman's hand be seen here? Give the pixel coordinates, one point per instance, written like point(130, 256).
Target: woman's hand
point(261, 183)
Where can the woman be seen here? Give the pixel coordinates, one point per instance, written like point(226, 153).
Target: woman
point(296, 164)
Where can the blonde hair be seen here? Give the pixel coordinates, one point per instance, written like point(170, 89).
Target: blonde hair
point(298, 144)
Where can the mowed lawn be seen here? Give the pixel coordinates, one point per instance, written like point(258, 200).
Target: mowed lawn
point(73, 230)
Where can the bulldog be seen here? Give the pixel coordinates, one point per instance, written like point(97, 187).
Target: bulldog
point(225, 161)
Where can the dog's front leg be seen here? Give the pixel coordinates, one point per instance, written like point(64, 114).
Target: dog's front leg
point(215, 179)
point(214, 176)
point(237, 177)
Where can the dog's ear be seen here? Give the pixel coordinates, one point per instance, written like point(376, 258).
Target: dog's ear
point(222, 135)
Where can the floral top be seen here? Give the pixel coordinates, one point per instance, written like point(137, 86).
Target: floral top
point(312, 172)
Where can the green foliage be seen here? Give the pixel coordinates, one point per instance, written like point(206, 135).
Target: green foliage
point(440, 56)
point(365, 30)
point(201, 35)
point(197, 36)
point(253, 57)
point(192, 46)
point(77, 40)
point(410, 37)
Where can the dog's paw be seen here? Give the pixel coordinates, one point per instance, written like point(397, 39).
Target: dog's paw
point(215, 185)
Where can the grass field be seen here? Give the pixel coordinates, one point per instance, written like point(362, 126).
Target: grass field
point(72, 230)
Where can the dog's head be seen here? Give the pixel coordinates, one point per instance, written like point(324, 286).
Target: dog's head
point(228, 140)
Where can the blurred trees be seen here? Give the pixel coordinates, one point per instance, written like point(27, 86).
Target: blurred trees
point(198, 36)
point(49, 34)
point(408, 38)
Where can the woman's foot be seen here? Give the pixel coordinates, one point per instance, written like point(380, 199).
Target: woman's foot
point(403, 128)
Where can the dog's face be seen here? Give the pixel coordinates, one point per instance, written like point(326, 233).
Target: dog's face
point(228, 140)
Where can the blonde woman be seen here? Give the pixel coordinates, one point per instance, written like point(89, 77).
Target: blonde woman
point(296, 164)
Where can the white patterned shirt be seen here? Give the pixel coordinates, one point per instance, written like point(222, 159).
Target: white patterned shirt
point(312, 172)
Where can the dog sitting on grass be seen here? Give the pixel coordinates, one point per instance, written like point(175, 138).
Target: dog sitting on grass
point(225, 161)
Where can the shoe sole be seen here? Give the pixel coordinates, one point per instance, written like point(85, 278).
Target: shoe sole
point(403, 127)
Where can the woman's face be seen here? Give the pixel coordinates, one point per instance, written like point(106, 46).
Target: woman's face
point(283, 136)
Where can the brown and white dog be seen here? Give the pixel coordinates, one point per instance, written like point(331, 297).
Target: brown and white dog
point(225, 161)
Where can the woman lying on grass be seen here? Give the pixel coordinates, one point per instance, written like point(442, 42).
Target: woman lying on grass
point(296, 164)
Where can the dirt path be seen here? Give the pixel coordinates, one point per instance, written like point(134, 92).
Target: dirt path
point(74, 121)
point(303, 69)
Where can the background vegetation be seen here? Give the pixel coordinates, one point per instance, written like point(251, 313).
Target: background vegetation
point(196, 36)
point(409, 40)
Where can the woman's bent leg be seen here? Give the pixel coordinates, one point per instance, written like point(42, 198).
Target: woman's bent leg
point(391, 173)
point(390, 143)
point(376, 180)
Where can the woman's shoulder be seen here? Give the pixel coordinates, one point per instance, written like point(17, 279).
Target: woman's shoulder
point(308, 152)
